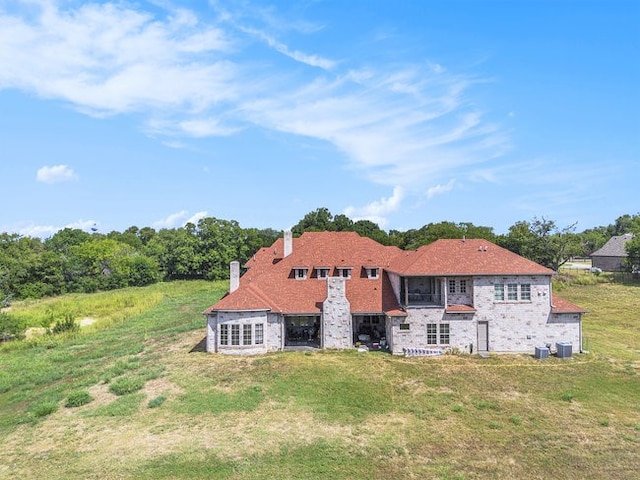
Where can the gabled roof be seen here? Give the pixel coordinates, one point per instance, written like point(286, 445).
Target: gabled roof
point(615, 246)
point(268, 283)
point(465, 257)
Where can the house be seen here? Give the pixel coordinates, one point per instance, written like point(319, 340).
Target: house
point(611, 256)
point(337, 290)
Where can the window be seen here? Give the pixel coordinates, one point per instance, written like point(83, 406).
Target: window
point(259, 334)
point(444, 334)
point(512, 291)
point(432, 334)
point(463, 286)
point(404, 326)
point(235, 334)
point(300, 273)
point(246, 334)
point(525, 291)
point(372, 273)
point(224, 334)
point(498, 292)
point(344, 272)
point(452, 286)
point(322, 273)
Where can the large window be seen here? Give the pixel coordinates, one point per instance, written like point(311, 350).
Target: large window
point(259, 334)
point(224, 334)
point(498, 292)
point(438, 334)
point(432, 333)
point(512, 292)
point(246, 334)
point(241, 334)
point(235, 334)
point(463, 286)
point(444, 334)
point(452, 286)
point(525, 291)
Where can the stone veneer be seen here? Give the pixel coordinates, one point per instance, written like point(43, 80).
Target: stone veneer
point(337, 330)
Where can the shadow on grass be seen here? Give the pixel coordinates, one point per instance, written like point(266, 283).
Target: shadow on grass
point(201, 346)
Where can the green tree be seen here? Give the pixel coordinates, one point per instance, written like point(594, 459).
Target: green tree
point(632, 262)
point(319, 220)
point(543, 242)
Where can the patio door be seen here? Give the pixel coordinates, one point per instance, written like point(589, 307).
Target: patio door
point(483, 336)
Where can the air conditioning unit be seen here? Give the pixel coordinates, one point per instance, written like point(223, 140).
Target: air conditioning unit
point(563, 350)
point(542, 352)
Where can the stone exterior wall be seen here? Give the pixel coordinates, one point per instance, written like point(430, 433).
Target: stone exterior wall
point(336, 328)
point(235, 318)
point(274, 333)
point(513, 326)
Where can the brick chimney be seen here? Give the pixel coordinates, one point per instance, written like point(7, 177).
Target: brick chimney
point(288, 243)
point(234, 276)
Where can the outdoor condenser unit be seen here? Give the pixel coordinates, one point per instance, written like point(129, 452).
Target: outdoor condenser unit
point(563, 350)
point(542, 352)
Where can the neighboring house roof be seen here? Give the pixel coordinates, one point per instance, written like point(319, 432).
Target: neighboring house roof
point(560, 305)
point(465, 257)
point(615, 246)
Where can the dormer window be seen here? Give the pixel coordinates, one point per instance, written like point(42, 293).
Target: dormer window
point(300, 273)
point(372, 272)
point(322, 272)
point(344, 272)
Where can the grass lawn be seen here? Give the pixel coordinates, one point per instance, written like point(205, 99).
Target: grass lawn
point(134, 396)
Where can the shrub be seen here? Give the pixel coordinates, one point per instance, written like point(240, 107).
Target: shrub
point(43, 408)
point(66, 325)
point(11, 326)
point(156, 402)
point(125, 385)
point(78, 398)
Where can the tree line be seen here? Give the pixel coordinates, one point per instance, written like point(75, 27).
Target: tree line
point(73, 260)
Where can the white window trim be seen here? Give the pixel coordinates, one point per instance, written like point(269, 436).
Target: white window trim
point(300, 273)
point(438, 334)
point(373, 273)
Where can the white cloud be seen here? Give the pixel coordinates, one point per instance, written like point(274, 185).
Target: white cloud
point(395, 124)
point(172, 220)
point(45, 231)
point(440, 189)
point(55, 174)
point(109, 59)
point(377, 210)
point(196, 217)
point(309, 59)
point(179, 219)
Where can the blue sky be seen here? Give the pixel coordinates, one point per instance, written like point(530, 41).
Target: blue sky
point(115, 114)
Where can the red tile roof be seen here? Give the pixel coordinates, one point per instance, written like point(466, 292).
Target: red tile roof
point(268, 284)
point(465, 257)
point(560, 305)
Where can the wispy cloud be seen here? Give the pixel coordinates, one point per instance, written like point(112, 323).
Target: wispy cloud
point(440, 189)
point(179, 219)
point(55, 174)
point(45, 231)
point(377, 210)
point(394, 124)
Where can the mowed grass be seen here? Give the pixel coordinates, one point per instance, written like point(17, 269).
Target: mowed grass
point(314, 415)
